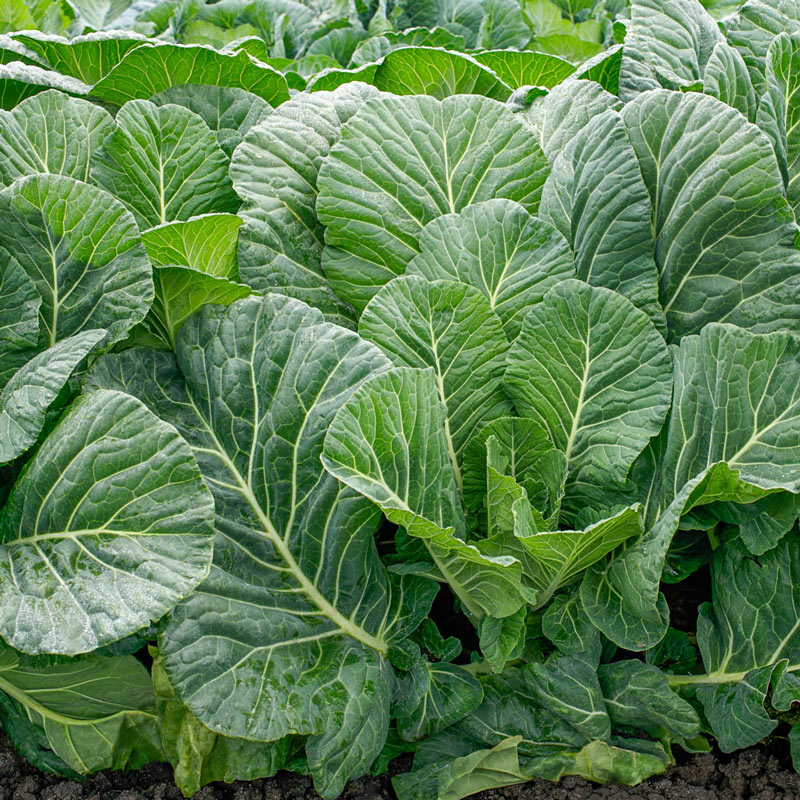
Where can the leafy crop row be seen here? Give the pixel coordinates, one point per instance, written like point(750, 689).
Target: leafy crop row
point(367, 389)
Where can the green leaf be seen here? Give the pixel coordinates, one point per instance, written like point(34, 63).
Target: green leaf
point(99, 13)
point(26, 397)
point(726, 78)
point(388, 442)
point(198, 755)
point(81, 248)
point(734, 259)
point(206, 243)
point(779, 111)
point(164, 163)
point(106, 529)
point(593, 370)
point(716, 448)
point(19, 317)
point(566, 625)
point(500, 249)
point(152, 68)
point(331, 79)
point(87, 58)
point(596, 198)
point(297, 614)
point(502, 640)
point(228, 111)
point(94, 713)
point(437, 72)
point(604, 69)
point(451, 327)
point(18, 81)
point(51, 132)
point(403, 161)
point(275, 172)
point(525, 68)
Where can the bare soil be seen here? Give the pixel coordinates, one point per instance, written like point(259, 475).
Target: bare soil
point(760, 773)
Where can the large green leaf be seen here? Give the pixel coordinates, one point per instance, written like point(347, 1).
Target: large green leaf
point(779, 110)
point(87, 58)
point(152, 68)
point(107, 527)
point(289, 632)
point(726, 78)
point(437, 72)
point(451, 327)
point(25, 399)
point(732, 436)
point(388, 442)
point(403, 161)
point(596, 198)
point(94, 713)
point(275, 172)
point(18, 81)
point(500, 249)
point(726, 255)
point(81, 248)
point(593, 370)
point(206, 243)
point(99, 13)
point(164, 163)
point(51, 132)
point(19, 316)
point(525, 68)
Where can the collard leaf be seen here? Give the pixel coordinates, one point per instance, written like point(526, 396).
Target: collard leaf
point(726, 78)
point(297, 601)
point(734, 259)
point(403, 161)
point(152, 68)
point(388, 442)
point(19, 316)
point(451, 327)
point(593, 370)
point(26, 397)
point(81, 248)
point(437, 72)
point(108, 527)
point(99, 13)
point(94, 713)
point(503, 25)
point(502, 640)
point(51, 132)
point(164, 163)
point(499, 248)
point(566, 625)
point(525, 68)
point(206, 243)
point(19, 80)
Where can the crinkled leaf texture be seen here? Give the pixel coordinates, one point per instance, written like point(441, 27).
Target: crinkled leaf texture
point(289, 633)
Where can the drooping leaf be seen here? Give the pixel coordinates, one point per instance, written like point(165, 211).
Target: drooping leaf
point(164, 163)
point(51, 132)
point(500, 249)
point(19, 81)
point(108, 527)
point(81, 248)
point(403, 161)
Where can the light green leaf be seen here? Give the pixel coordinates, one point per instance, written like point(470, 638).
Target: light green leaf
point(500, 249)
point(604, 69)
point(99, 13)
point(106, 529)
point(19, 316)
point(388, 442)
point(733, 260)
point(437, 72)
point(593, 370)
point(87, 58)
point(152, 68)
point(275, 171)
point(525, 68)
point(206, 243)
point(596, 198)
point(726, 78)
point(289, 632)
point(51, 132)
point(403, 161)
point(503, 26)
point(228, 111)
point(164, 163)
point(26, 397)
point(94, 713)
point(81, 248)
point(462, 17)
point(779, 111)
point(451, 327)
point(331, 79)
point(18, 81)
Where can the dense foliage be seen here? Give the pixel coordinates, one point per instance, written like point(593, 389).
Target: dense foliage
point(371, 374)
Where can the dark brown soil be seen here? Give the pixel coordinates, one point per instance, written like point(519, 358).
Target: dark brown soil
point(755, 774)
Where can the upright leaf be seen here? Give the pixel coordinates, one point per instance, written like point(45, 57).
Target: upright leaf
point(19, 316)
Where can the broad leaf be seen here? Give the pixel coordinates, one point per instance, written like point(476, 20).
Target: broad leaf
point(500, 249)
point(726, 78)
point(81, 248)
point(107, 527)
point(525, 68)
point(19, 316)
point(164, 163)
point(18, 81)
point(403, 161)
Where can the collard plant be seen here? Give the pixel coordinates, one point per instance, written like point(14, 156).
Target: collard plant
point(358, 410)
